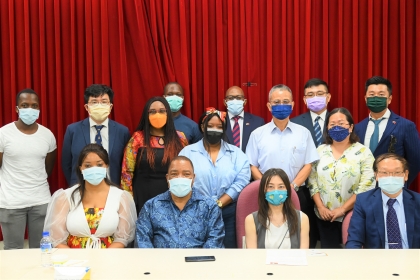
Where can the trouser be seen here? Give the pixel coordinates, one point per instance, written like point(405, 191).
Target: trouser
point(229, 219)
point(330, 234)
point(307, 207)
point(13, 223)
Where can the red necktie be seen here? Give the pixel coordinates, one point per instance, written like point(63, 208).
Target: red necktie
point(236, 132)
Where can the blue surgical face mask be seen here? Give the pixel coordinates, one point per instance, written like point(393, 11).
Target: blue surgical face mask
point(28, 115)
point(281, 111)
point(94, 175)
point(391, 184)
point(235, 107)
point(276, 197)
point(180, 187)
point(175, 102)
point(338, 133)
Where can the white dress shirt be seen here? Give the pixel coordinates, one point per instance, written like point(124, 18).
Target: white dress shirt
point(321, 120)
point(240, 122)
point(104, 132)
point(371, 127)
point(399, 210)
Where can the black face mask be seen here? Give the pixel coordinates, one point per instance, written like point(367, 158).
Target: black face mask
point(214, 137)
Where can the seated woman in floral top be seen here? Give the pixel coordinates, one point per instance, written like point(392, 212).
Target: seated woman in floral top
point(344, 170)
point(94, 214)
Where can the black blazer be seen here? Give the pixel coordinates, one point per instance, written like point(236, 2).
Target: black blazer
point(251, 122)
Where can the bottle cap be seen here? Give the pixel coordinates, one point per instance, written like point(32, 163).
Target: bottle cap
point(45, 233)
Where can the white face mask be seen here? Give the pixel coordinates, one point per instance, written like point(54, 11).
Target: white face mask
point(391, 184)
point(99, 112)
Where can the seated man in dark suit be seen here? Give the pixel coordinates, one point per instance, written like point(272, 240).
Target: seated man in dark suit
point(316, 97)
point(384, 131)
point(241, 123)
point(389, 216)
point(98, 128)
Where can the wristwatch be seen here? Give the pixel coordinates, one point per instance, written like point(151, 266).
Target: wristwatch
point(219, 203)
point(295, 186)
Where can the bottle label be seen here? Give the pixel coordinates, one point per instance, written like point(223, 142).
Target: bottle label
point(46, 248)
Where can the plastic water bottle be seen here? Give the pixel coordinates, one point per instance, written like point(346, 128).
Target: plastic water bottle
point(46, 248)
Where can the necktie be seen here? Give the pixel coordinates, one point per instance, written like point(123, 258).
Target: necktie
point(318, 133)
point(392, 227)
point(374, 140)
point(236, 132)
point(98, 138)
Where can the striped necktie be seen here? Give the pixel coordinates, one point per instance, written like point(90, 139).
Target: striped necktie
point(98, 138)
point(236, 132)
point(318, 133)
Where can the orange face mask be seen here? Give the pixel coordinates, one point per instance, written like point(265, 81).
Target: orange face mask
point(158, 120)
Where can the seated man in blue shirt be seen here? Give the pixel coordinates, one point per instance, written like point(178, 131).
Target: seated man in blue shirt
point(181, 217)
point(389, 216)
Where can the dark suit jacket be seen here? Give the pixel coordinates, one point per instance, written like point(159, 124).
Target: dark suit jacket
point(406, 137)
point(306, 121)
point(251, 122)
point(78, 136)
point(367, 226)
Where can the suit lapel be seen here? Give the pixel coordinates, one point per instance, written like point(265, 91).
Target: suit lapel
point(246, 128)
point(307, 121)
point(390, 126)
point(363, 128)
point(378, 214)
point(409, 218)
point(229, 129)
point(111, 136)
point(86, 130)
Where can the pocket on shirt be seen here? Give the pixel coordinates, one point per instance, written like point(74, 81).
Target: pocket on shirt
point(298, 157)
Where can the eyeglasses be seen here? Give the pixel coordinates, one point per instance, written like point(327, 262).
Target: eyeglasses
point(278, 102)
point(233, 97)
point(339, 124)
point(96, 103)
point(160, 111)
point(318, 93)
point(387, 174)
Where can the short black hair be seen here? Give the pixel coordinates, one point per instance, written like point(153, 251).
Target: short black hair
point(316, 82)
point(26, 90)
point(170, 84)
point(353, 136)
point(379, 80)
point(179, 158)
point(96, 90)
point(390, 155)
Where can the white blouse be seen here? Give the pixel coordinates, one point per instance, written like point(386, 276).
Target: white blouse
point(64, 217)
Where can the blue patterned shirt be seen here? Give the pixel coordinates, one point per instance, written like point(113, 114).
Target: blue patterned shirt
point(162, 225)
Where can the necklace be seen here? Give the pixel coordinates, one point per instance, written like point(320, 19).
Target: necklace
point(161, 139)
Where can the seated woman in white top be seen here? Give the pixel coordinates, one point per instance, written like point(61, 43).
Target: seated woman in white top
point(276, 224)
point(94, 214)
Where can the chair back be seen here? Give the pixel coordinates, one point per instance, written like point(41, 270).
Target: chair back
point(345, 226)
point(248, 203)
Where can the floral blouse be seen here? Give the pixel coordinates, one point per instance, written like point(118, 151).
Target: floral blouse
point(130, 155)
point(93, 217)
point(337, 180)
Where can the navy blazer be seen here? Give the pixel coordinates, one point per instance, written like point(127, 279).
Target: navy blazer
point(251, 122)
point(306, 121)
point(367, 226)
point(78, 136)
point(405, 141)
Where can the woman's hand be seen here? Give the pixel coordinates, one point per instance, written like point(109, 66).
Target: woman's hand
point(325, 213)
point(336, 213)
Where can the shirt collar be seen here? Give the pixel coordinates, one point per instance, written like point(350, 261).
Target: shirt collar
point(231, 115)
point(224, 147)
point(272, 126)
point(385, 116)
point(322, 115)
point(385, 198)
point(104, 123)
point(177, 117)
point(166, 196)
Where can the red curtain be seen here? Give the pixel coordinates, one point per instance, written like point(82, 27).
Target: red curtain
point(59, 47)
